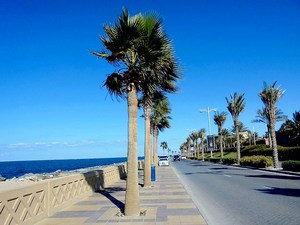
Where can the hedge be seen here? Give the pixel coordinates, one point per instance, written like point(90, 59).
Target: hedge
point(284, 153)
point(229, 161)
point(215, 160)
point(291, 165)
point(257, 161)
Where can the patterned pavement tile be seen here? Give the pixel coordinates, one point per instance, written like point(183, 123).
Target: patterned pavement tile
point(165, 203)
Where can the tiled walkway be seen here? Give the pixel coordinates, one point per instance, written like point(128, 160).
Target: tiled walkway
point(165, 203)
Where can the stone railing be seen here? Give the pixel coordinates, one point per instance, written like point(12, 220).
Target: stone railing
point(28, 204)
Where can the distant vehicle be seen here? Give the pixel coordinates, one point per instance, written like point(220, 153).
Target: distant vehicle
point(176, 158)
point(183, 157)
point(163, 161)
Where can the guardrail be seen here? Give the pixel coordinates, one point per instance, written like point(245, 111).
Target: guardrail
point(31, 203)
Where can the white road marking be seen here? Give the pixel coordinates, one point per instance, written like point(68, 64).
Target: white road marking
point(266, 187)
point(225, 175)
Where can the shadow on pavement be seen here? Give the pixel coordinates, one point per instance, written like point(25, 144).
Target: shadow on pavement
point(281, 191)
point(275, 177)
point(107, 193)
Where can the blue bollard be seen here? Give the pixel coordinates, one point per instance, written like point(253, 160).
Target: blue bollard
point(153, 177)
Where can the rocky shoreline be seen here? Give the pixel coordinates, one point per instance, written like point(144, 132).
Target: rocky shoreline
point(31, 177)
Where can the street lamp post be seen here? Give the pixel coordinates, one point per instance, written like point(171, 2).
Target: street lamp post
point(208, 110)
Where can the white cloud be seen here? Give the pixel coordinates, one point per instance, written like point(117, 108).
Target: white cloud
point(40, 144)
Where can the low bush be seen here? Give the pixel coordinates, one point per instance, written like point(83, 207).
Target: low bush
point(284, 153)
point(256, 150)
point(288, 153)
point(215, 160)
point(257, 161)
point(232, 149)
point(291, 165)
point(229, 160)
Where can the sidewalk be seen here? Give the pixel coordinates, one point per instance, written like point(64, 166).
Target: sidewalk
point(165, 203)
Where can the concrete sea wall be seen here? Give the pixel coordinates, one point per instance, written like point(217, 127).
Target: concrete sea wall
point(30, 203)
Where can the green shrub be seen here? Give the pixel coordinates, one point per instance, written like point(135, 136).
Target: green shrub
point(291, 165)
point(230, 149)
point(257, 161)
point(288, 153)
point(284, 153)
point(256, 150)
point(215, 160)
point(229, 160)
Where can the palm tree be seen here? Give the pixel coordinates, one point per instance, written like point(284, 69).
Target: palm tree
point(139, 47)
point(226, 135)
point(183, 148)
point(188, 141)
point(202, 134)
point(243, 132)
point(159, 121)
point(164, 145)
point(194, 138)
point(220, 119)
point(236, 105)
point(262, 117)
point(270, 96)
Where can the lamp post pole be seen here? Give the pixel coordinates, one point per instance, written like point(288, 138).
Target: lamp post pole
point(208, 110)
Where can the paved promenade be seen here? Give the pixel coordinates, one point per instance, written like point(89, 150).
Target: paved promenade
point(165, 203)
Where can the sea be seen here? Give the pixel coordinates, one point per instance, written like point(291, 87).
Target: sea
point(12, 169)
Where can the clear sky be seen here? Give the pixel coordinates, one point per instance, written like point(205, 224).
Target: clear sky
point(52, 105)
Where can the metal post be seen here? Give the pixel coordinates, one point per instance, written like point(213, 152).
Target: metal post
point(208, 110)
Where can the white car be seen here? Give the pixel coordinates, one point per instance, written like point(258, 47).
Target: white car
point(183, 157)
point(163, 161)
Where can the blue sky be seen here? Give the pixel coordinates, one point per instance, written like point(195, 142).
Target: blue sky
point(52, 105)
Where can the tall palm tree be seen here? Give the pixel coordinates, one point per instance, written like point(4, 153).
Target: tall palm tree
point(188, 141)
point(262, 117)
point(159, 121)
point(164, 145)
point(202, 134)
point(194, 138)
point(139, 47)
point(270, 95)
point(236, 105)
point(183, 148)
point(226, 134)
point(220, 119)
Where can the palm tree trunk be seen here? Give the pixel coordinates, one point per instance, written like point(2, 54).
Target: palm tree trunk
point(238, 145)
point(202, 148)
point(221, 142)
point(155, 147)
point(273, 139)
point(132, 204)
point(269, 136)
point(197, 149)
point(221, 146)
point(147, 150)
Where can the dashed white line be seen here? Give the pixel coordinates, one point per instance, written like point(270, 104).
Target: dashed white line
point(225, 175)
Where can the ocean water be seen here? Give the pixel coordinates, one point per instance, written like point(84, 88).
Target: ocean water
point(19, 168)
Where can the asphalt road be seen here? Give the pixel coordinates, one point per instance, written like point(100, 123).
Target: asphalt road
point(228, 195)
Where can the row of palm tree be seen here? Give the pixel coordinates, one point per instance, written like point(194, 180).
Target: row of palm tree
point(269, 115)
point(146, 70)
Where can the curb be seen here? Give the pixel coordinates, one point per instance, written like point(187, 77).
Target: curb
point(272, 170)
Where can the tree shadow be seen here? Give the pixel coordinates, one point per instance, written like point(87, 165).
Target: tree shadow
point(275, 177)
point(107, 192)
point(291, 192)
